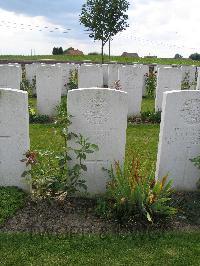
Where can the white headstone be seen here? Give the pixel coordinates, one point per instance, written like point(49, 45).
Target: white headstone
point(131, 81)
point(90, 75)
point(113, 75)
point(101, 115)
point(48, 87)
point(180, 139)
point(20, 69)
point(198, 78)
point(105, 74)
point(30, 70)
point(66, 69)
point(10, 76)
point(156, 67)
point(189, 76)
point(168, 79)
point(14, 137)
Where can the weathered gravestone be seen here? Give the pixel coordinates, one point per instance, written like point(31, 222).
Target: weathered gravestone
point(180, 139)
point(113, 76)
point(189, 77)
point(131, 81)
point(48, 87)
point(168, 79)
point(66, 69)
point(105, 75)
point(198, 78)
point(20, 69)
point(14, 137)
point(30, 70)
point(10, 76)
point(100, 115)
point(90, 75)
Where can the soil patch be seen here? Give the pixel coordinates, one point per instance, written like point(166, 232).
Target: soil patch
point(77, 215)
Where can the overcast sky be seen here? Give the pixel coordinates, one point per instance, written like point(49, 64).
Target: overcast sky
point(157, 27)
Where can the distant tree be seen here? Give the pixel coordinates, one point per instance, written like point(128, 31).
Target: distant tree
point(103, 19)
point(60, 50)
point(178, 56)
point(70, 48)
point(57, 51)
point(195, 56)
point(93, 53)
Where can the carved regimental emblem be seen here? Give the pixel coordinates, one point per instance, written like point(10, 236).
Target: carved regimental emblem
point(97, 110)
point(190, 111)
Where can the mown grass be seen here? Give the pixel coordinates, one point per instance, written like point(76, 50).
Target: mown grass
point(137, 249)
point(11, 199)
point(97, 58)
point(142, 142)
point(145, 249)
point(148, 104)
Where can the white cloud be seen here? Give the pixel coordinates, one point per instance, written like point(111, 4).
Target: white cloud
point(18, 38)
point(160, 27)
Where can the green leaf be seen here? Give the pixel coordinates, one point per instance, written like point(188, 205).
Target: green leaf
point(94, 147)
point(84, 167)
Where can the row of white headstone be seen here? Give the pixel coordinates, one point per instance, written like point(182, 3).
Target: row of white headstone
point(101, 115)
point(52, 80)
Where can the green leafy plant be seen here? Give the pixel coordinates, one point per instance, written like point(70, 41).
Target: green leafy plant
point(131, 196)
point(151, 117)
point(28, 86)
point(73, 79)
point(196, 162)
point(150, 84)
point(36, 118)
point(50, 172)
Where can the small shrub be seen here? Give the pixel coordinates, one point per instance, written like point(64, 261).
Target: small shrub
point(35, 118)
point(30, 87)
point(131, 196)
point(151, 117)
point(50, 174)
point(150, 84)
point(73, 79)
point(196, 162)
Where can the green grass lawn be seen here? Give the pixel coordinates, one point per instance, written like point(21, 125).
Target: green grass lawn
point(142, 142)
point(97, 58)
point(150, 249)
point(148, 104)
point(138, 249)
point(11, 199)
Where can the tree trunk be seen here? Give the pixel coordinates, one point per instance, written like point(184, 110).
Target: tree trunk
point(102, 56)
point(109, 49)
